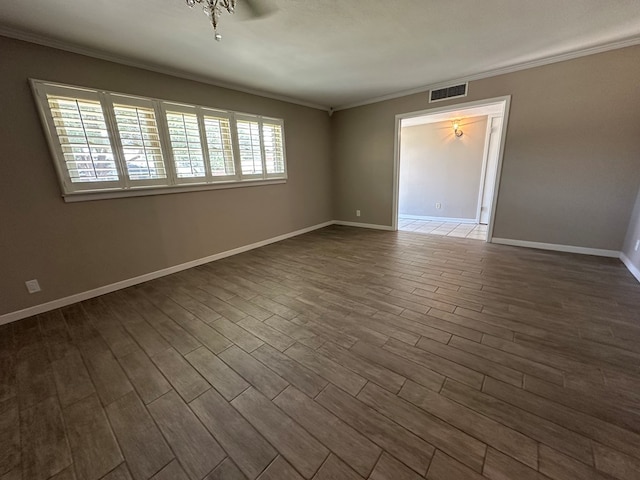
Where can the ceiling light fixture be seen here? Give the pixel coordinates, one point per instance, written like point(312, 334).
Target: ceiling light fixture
point(213, 9)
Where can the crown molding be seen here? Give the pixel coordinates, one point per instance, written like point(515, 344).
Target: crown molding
point(629, 42)
point(110, 57)
point(102, 55)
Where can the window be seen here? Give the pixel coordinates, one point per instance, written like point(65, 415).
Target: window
point(110, 142)
point(261, 146)
point(85, 150)
point(249, 146)
point(140, 140)
point(188, 156)
point(219, 145)
point(273, 147)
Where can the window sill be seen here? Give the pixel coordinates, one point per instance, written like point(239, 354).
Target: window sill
point(86, 196)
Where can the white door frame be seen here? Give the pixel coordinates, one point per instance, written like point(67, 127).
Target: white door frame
point(486, 161)
point(506, 103)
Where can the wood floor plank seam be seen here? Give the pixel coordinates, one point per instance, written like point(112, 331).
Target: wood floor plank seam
point(534, 425)
point(585, 425)
point(395, 337)
point(102, 455)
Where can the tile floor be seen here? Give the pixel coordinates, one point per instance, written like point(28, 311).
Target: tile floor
point(449, 229)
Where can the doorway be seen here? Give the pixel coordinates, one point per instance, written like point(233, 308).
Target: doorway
point(447, 168)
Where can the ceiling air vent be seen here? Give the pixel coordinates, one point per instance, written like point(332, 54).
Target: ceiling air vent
point(448, 92)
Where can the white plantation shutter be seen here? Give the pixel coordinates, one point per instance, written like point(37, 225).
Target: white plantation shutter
point(82, 135)
point(273, 146)
point(110, 142)
point(140, 141)
point(219, 145)
point(249, 146)
point(184, 132)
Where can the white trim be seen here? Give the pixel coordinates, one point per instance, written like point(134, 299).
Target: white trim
point(437, 219)
point(96, 292)
point(124, 185)
point(395, 200)
point(96, 53)
point(78, 297)
point(557, 247)
point(485, 163)
point(496, 183)
point(473, 105)
point(110, 57)
point(505, 102)
point(374, 226)
point(635, 271)
point(498, 172)
point(183, 188)
point(629, 42)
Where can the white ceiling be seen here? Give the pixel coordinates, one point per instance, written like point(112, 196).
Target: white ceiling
point(329, 52)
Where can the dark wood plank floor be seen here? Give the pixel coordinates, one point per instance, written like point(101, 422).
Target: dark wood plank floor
point(341, 354)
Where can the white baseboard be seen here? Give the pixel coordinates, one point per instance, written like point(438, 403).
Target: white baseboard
point(557, 247)
point(438, 219)
point(363, 225)
point(635, 271)
point(96, 292)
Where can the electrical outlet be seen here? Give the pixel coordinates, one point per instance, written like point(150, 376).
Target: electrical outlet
point(357, 213)
point(33, 286)
point(637, 245)
point(438, 205)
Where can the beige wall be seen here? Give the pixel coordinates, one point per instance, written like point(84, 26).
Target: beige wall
point(74, 247)
point(633, 235)
point(571, 169)
point(438, 167)
point(570, 176)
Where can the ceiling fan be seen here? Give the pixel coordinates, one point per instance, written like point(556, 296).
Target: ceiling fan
point(214, 8)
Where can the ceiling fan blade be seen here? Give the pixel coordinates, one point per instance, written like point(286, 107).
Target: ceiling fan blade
point(257, 8)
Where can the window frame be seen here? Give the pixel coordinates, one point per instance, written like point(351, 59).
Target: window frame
point(64, 176)
point(171, 183)
point(229, 116)
point(167, 107)
point(251, 119)
point(280, 123)
point(131, 101)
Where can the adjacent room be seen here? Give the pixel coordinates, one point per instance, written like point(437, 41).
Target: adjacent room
point(448, 164)
point(286, 240)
